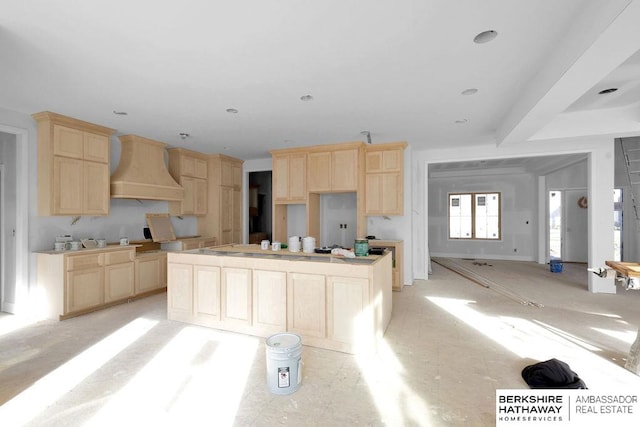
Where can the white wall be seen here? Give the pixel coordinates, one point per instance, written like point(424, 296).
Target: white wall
point(518, 214)
point(336, 209)
point(571, 177)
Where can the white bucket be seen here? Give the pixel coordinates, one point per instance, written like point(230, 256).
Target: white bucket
point(284, 363)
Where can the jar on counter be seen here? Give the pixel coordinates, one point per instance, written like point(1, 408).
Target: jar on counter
point(361, 247)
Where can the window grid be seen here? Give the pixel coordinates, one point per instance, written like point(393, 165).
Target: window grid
point(474, 216)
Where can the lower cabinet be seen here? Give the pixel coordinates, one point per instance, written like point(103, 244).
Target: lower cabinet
point(236, 295)
point(76, 282)
point(84, 289)
point(269, 301)
point(150, 272)
point(347, 299)
point(331, 311)
point(118, 282)
point(306, 298)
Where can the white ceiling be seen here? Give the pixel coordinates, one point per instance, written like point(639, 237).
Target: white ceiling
point(393, 68)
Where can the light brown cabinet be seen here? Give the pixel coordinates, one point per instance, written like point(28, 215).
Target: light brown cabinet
point(189, 169)
point(150, 272)
point(306, 297)
point(332, 171)
point(290, 177)
point(339, 306)
point(384, 179)
point(269, 301)
point(76, 282)
point(206, 298)
point(236, 296)
point(73, 166)
point(223, 219)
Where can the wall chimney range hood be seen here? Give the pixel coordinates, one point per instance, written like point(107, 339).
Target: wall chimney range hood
point(142, 172)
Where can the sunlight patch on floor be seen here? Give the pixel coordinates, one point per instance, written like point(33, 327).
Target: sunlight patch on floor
point(396, 402)
point(626, 337)
point(529, 340)
point(12, 322)
point(46, 391)
point(198, 378)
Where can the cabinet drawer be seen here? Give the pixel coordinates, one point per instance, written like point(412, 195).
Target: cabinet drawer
point(118, 257)
point(76, 262)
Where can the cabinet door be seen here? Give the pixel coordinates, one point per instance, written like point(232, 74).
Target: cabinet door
point(200, 192)
point(179, 292)
point(68, 142)
point(280, 178)
point(119, 281)
point(97, 195)
point(226, 171)
point(188, 165)
point(270, 301)
point(344, 170)
point(237, 176)
point(84, 289)
point(200, 166)
point(297, 177)
point(96, 147)
point(206, 293)
point(226, 215)
point(188, 198)
point(149, 274)
point(373, 162)
point(306, 304)
point(319, 171)
point(392, 194)
point(68, 186)
point(373, 190)
point(347, 318)
point(236, 295)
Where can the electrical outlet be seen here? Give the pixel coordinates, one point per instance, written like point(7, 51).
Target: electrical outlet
point(345, 226)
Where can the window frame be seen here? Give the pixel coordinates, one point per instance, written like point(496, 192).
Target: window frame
point(473, 196)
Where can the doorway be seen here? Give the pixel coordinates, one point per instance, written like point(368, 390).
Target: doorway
point(568, 225)
point(259, 215)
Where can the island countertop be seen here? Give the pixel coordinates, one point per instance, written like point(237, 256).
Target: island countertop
point(255, 251)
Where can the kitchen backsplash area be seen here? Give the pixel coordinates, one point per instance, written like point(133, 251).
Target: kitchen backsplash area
point(126, 219)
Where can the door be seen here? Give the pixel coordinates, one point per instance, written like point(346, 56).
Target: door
point(575, 247)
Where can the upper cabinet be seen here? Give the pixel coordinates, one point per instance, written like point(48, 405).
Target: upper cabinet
point(189, 169)
point(333, 170)
point(384, 178)
point(290, 177)
point(223, 219)
point(73, 166)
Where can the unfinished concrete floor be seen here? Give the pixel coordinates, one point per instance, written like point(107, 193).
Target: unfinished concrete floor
point(451, 343)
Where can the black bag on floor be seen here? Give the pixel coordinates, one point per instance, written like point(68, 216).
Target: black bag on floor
point(553, 373)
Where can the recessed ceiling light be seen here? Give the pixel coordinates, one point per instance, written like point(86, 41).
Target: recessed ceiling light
point(306, 98)
point(469, 91)
point(232, 111)
point(485, 36)
point(120, 113)
point(461, 121)
point(605, 91)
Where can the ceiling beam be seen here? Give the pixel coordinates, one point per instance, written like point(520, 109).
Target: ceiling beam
point(602, 38)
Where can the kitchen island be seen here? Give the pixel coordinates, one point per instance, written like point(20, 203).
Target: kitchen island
point(335, 303)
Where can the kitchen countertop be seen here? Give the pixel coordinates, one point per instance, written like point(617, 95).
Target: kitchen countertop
point(117, 247)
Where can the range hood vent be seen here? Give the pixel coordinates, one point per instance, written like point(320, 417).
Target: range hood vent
point(142, 172)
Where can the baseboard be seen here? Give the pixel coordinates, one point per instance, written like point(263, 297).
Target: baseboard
point(8, 307)
point(482, 256)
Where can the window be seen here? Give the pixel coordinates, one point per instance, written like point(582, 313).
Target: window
point(474, 216)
